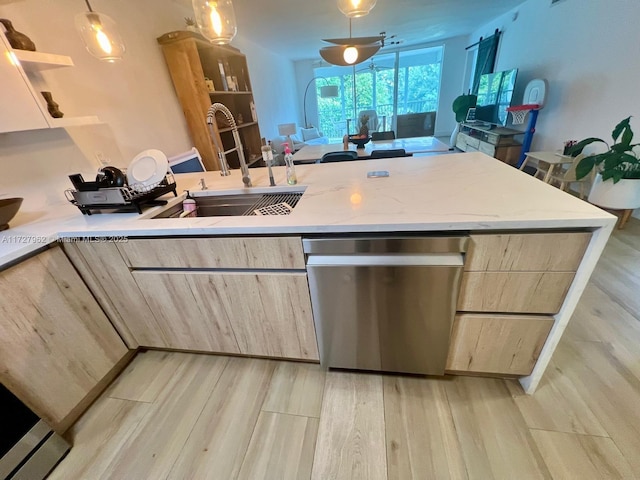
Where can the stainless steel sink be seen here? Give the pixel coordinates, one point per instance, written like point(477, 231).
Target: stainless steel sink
point(232, 205)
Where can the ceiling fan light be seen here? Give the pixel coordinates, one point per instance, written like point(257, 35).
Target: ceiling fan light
point(216, 20)
point(100, 35)
point(356, 8)
point(350, 55)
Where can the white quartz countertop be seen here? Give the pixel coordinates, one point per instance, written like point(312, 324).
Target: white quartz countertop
point(467, 191)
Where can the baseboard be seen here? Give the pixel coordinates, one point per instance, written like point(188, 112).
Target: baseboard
point(63, 426)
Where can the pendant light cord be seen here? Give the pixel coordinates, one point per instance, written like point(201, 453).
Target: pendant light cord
point(89, 5)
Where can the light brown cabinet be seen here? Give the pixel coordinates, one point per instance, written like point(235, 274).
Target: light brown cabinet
point(526, 252)
point(512, 284)
point(497, 344)
point(190, 59)
point(220, 252)
point(107, 275)
point(261, 314)
point(520, 272)
point(240, 295)
point(521, 292)
point(56, 344)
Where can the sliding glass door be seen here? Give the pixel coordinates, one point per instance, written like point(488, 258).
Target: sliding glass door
point(386, 86)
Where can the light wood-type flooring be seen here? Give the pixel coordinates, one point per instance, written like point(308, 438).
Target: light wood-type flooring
point(184, 416)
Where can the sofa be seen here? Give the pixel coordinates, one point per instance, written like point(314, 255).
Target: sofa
point(304, 136)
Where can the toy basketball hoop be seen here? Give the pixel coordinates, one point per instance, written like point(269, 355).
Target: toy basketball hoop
point(519, 112)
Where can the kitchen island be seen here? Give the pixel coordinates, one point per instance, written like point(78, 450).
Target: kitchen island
point(532, 250)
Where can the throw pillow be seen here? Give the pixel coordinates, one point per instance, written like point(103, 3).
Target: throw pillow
point(310, 133)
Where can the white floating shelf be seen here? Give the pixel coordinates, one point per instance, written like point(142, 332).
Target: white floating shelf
point(32, 61)
point(73, 121)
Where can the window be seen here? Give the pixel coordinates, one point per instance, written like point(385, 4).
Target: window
point(390, 84)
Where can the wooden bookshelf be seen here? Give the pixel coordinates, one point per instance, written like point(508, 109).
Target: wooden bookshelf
point(191, 59)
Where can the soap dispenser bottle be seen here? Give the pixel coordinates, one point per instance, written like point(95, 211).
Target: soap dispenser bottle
point(291, 169)
point(188, 206)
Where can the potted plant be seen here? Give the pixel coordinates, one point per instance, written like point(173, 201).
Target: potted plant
point(460, 107)
point(190, 24)
point(617, 183)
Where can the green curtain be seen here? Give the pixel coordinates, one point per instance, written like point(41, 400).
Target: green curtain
point(486, 59)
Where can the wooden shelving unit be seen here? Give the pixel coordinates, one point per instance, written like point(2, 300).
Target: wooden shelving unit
point(191, 59)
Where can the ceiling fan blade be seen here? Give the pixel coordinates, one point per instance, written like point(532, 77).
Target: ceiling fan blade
point(354, 40)
point(335, 55)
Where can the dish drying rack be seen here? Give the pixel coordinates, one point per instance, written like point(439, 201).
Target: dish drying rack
point(123, 199)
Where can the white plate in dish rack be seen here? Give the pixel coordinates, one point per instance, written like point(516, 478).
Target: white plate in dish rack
point(147, 169)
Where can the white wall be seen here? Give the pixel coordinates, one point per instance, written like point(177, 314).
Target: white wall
point(584, 50)
point(304, 71)
point(452, 83)
point(588, 52)
point(135, 97)
point(273, 84)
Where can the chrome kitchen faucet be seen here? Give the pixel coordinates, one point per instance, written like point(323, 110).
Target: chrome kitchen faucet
point(222, 155)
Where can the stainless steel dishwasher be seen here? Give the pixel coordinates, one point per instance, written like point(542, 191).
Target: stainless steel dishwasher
point(385, 304)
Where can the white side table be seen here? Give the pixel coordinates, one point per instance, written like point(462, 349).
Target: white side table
point(553, 159)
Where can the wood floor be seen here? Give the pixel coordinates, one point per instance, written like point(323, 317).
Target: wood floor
point(182, 416)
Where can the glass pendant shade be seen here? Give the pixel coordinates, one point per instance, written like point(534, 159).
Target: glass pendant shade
point(100, 36)
point(216, 20)
point(356, 8)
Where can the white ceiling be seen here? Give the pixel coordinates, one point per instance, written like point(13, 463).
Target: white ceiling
point(294, 28)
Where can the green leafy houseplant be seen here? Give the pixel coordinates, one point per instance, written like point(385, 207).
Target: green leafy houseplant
point(461, 106)
point(619, 162)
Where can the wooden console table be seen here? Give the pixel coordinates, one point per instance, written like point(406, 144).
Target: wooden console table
point(498, 142)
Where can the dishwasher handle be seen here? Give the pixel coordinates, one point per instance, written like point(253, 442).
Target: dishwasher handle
point(384, 245)
point(393, 260)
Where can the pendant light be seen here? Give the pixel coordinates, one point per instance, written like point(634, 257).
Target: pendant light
point(336, 55)
point(100, 35)
point(350, 55)
point(351, 50)
point(216, 20)
point(356, 8)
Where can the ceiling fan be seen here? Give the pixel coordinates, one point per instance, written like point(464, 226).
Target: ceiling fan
point(374, 68)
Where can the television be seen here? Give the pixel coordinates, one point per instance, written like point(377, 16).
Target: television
point(494, 96)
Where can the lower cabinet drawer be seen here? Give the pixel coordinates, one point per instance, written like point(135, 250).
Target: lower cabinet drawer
point(487, 148)
point(526, 252)
point(497, 344)
point(262, 314)
point(473, 142)
point(514, 292)
point(217, 252)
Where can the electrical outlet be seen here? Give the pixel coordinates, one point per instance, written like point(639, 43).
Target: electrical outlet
point(102, 158)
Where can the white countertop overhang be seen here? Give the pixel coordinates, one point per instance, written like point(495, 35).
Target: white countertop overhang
point(452, 192)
